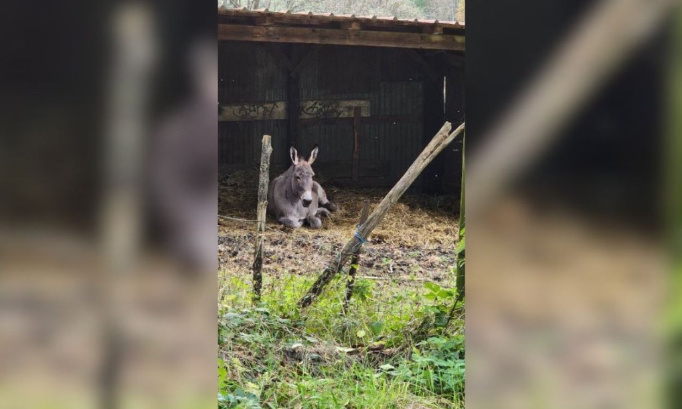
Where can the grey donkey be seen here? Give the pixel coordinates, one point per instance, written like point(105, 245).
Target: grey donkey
point(295, 198)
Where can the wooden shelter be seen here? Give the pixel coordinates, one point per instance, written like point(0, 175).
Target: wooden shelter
point(371, 91)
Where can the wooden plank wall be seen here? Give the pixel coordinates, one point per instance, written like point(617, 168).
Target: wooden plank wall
point(385, 83)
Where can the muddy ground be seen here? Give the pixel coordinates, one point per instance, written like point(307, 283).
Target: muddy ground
point(415, 242)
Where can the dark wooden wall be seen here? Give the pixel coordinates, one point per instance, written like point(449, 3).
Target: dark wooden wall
point(402, 106)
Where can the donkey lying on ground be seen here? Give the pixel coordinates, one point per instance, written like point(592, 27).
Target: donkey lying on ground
point(294, 197)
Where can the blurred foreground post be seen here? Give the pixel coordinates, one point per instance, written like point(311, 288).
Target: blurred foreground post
point(583, 63)
point(134, 58)
point(442, 139)
point(356, 259)
point(673, 215)
point(264, 179)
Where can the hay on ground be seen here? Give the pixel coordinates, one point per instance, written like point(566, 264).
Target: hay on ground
point(414, 242)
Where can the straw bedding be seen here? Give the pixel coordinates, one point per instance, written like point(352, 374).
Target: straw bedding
point(415, 241)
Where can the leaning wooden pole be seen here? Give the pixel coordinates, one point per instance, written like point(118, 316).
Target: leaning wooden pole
point(442, 139)
point(263, 181)
point(356, 259)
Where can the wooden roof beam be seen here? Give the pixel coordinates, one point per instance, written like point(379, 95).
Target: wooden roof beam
point(351, 25)
point(433, 29)
point(307, 35)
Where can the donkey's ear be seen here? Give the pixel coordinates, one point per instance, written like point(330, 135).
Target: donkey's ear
point(294, 155)
point(313, 155)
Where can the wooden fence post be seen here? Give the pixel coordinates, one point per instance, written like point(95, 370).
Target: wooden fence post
point(460, 257)
point(437, 144)
point(462, 225)
point(355, 260)
point(263, 182)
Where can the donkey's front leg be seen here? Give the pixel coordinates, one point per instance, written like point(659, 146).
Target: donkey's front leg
point(322, 212)
point(290, 221)
point(314, 221)
point(322, 198)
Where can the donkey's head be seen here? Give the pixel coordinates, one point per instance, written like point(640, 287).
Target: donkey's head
point(302, 176)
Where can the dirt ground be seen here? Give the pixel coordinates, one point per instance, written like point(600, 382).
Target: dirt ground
point(415, 242)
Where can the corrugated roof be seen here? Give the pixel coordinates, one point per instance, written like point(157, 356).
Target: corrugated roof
point(331, 17)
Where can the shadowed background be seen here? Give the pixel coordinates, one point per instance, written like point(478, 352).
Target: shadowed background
point(566, 186)
point(101, 304)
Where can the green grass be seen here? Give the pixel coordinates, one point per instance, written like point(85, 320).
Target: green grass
point(390, 350)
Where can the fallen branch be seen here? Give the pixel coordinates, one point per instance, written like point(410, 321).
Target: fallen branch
point(442, 139)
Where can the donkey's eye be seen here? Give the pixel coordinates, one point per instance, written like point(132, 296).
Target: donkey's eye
point(298, 178)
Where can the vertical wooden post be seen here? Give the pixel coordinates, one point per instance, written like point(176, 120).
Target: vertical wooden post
point(357, 115)
point(293, 110)
point(292, 62)
point(263, 182)
point(355, 260)
point(673, 202)
point(454, 112)
point(433, 116)
point(462, 221)
point(460, 269)
point(134, 64)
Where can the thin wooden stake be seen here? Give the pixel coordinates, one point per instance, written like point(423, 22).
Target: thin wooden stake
point(442, 139)
point(462, 225)
point(356, 259)
point(264, 179)
point(459, 280)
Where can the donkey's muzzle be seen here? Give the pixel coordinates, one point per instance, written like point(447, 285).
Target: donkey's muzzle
point(306, 203)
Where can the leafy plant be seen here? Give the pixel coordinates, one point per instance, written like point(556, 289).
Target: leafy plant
point(362, 289)
point(436, 364)
point(439, 307)
point(274, 357)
